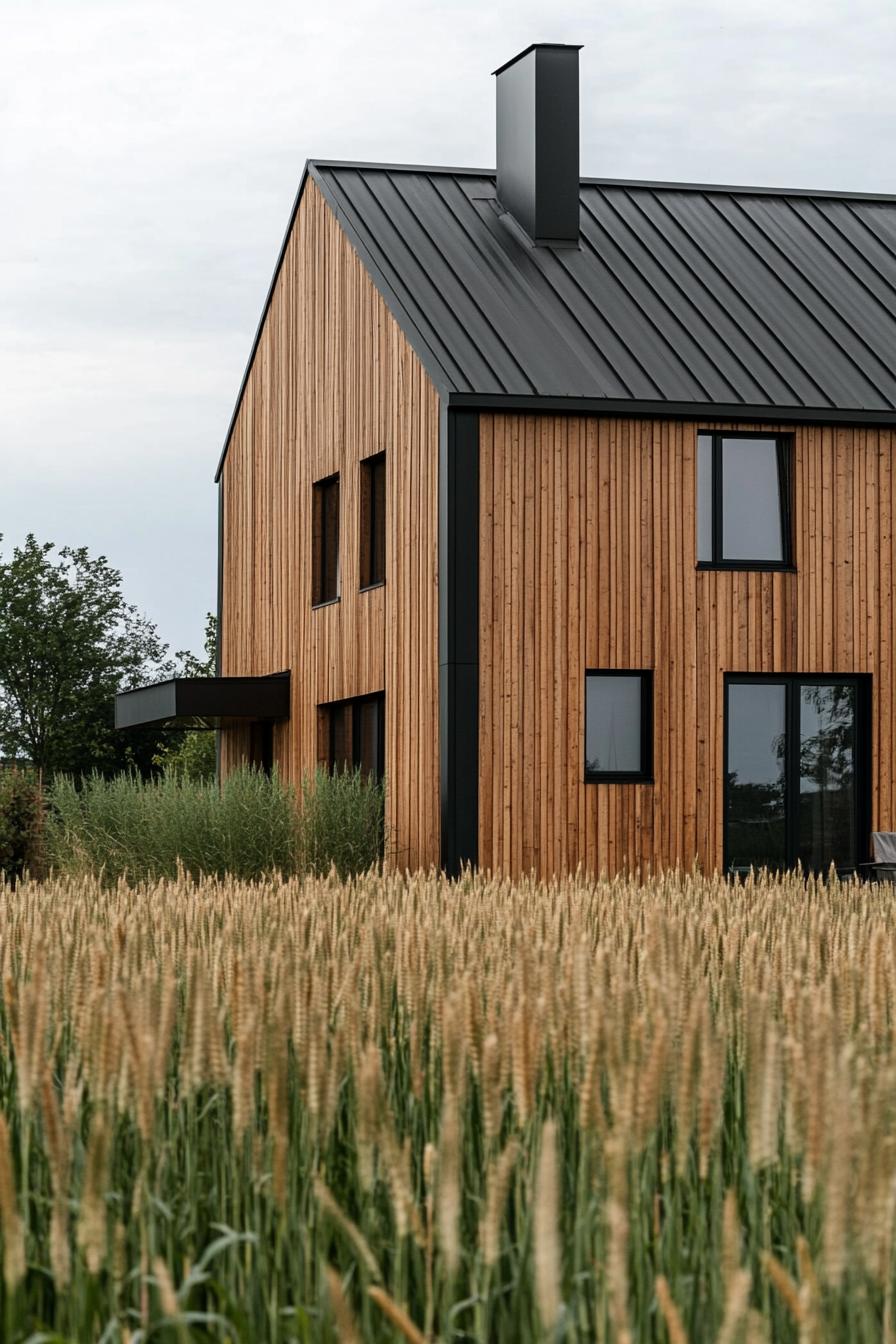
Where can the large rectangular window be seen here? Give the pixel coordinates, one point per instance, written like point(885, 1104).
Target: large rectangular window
point(618, 725)
point(744, 488)
point(373, 521)
point(325, 541)
point(796, 772)
point(352, 735)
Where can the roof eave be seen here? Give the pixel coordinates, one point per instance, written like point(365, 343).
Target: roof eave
point(669, 410)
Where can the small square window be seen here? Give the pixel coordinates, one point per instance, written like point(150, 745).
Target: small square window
point(618, 726)
point(325, 541)
point(744, 501)
point(373, 521)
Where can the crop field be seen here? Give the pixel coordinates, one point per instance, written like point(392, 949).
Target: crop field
point(401, 1108)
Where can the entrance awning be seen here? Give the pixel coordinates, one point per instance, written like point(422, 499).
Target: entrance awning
point(204, 702)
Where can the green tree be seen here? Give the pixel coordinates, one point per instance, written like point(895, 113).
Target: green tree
point(191, 754)
point(68, 643)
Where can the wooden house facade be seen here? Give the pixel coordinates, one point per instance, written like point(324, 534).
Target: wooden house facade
point(567, 505)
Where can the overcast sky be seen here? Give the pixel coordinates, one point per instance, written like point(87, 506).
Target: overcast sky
point(150, 151)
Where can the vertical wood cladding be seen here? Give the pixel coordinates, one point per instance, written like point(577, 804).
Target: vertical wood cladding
point(334, 381)
point(587, 559)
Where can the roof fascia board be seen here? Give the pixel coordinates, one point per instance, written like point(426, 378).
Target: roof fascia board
point(667, 410)
point(650, 184)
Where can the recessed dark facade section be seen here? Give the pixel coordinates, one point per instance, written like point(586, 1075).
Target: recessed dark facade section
point(204, 702)
point(538, 142)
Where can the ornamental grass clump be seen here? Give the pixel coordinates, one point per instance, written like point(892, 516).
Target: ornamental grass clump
point(252, 826)
point(403, 1108)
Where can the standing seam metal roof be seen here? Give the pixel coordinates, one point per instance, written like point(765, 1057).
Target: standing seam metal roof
point(747, 299)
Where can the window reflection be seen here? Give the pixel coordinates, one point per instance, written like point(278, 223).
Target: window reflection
point(613, 724)
point(751, 507)
point(827, 775)
point(756, 746)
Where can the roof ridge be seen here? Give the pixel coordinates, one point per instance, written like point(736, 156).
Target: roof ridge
point(731, 189)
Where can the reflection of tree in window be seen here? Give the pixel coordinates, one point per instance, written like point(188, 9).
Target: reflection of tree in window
point(827, 772)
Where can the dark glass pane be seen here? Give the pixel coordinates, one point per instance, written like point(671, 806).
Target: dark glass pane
point(373, 521)
point(704, 497)
point(612, 724)
point(330, 584)
point(756, 831)
point(261, 746)
point(378, 531)
point(368, 746)
point(340, 737)
point(325, 541)
point(751, 500)
point(827, 822)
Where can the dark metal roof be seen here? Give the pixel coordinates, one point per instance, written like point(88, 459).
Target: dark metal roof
point(186, 700)
point(681, 298)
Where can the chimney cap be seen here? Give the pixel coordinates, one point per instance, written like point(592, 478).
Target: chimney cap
point(539, 46)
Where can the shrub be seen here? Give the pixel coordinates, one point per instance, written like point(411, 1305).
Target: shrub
point(253, 825)
point(192, 758)
point(20, 821)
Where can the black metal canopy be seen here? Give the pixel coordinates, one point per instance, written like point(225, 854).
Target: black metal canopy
point(203, 702)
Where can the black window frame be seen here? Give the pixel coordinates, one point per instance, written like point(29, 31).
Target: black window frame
point(785, 453)
point(319, 542)
point(369, 521)
point(644, 775)
point(353, 706)
point(792, 681)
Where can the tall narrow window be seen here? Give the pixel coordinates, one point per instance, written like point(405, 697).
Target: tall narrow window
point(352, 735)
point(325, 541)
point(744, 501)
point(618, 726)
point(373, 521)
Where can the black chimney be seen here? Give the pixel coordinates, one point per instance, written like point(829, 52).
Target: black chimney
point(538, 141)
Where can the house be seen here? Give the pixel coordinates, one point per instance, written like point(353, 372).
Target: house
point(568, 505)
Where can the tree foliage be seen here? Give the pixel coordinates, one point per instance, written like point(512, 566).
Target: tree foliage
point(68, 642)
point(191, 755)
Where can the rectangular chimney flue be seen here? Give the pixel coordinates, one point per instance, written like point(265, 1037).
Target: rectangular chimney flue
point(538, 142)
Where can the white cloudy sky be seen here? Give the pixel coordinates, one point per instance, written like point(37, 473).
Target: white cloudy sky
point(150, 151)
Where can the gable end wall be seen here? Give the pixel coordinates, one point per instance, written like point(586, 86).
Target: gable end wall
point(334, 381)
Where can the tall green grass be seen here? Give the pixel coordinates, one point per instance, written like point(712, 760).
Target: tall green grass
point(251, 826)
